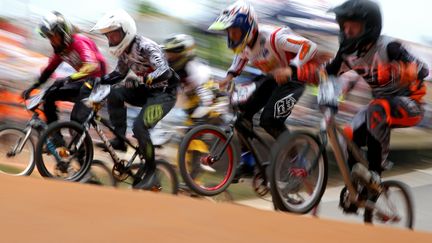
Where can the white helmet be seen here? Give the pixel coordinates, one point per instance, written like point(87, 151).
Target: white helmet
point(117, 20)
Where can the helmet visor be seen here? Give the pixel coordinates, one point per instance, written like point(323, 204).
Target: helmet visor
point(45, 32)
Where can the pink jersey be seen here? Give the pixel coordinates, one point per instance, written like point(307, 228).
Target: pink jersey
point(81, 51)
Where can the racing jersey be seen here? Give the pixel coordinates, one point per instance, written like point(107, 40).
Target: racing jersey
point(276, 48)
point(147, 60)
point(388, 68)
point(83, 55)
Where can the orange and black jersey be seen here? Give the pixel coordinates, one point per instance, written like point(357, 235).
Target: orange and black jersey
point(388, 68)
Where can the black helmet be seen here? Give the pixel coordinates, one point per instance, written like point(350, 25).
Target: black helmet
point(363, 10)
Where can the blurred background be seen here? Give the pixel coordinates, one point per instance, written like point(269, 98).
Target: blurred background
point(23, 52)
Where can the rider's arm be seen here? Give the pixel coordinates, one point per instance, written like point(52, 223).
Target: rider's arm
point(348, 81)
point(53, 63)
point(239, 62)
point(409, 68)
point(309, 71)
point(159, 64)
point(304, 48)
point(118, 74)
point(88, 58)
point(197, 75)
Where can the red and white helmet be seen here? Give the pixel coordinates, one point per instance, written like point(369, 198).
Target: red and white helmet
point(241, 15)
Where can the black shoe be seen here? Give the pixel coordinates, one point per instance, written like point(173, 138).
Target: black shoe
point(116, 143)
point(57, 140)
point(344, 203)
point(149, 180)
point(243, 171)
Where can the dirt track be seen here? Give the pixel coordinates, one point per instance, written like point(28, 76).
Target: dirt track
point(35, 210)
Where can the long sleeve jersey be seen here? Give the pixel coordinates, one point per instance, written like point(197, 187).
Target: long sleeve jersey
point(388, 68)
point(83, 55)
point(276, 48)
point(146, 59)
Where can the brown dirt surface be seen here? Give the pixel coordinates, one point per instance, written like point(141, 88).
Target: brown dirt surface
point(36, 210)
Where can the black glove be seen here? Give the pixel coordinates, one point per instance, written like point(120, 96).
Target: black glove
point(60, 82)
point(26, 93)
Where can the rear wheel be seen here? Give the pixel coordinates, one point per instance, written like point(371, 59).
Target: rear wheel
point(298, 172)
point(99, 174)
point(206, 160)
point(16, 155)
point(166, 178)
point(393, 206)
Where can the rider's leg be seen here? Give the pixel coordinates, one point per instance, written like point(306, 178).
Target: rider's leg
point(157, 106)
point(80, 111)
point(264, 86)
point(244, 124)
point(279, 107)
point(118, 111)
point(68, 92)
point(383, 114)
point(359, 134)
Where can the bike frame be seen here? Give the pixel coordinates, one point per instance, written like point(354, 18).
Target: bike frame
point(34, 123)
point(247, 139)
point(92, 119)
point(329, 127)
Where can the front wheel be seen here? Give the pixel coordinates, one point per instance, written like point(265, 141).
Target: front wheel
point(64, 151)
point(298, 172)
point(393, 206)
point(207, 160)
point(16, 152)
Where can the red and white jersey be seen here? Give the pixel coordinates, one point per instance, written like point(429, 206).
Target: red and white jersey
point(275, 48)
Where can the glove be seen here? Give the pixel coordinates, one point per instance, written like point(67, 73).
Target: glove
point(328, 93)
point(131, 83)
point(26, 93)
point(60, 82)
point(148, 80)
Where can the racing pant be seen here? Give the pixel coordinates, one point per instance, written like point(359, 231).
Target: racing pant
point(371, 126)
point(72, 92)
point(155, 103)
point(277, 101)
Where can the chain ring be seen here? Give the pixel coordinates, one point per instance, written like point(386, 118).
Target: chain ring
point(119, 172)
point(257, 184)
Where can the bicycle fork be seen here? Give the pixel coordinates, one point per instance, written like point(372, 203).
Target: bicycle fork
point(20, 143)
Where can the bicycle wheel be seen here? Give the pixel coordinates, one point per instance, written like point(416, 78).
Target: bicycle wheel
point(198, 162)
point(99, 174)
point(224, 196)
point(166, 178)
point(298, 172)
point(58, 154)
point(393, 206)
point(14, 160)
